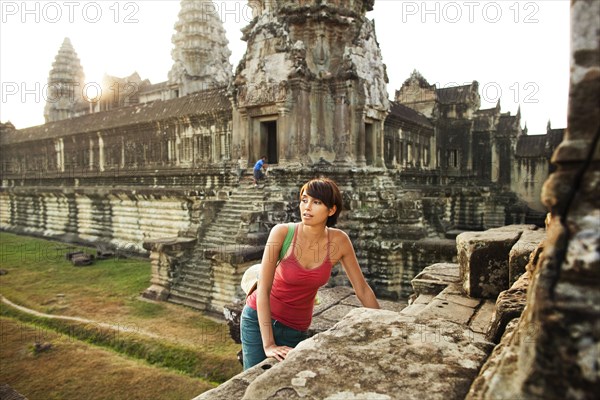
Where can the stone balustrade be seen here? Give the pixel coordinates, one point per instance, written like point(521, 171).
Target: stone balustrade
point(165, 254)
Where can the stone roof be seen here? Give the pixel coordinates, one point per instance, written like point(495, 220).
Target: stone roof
point(200, 103)
point(456, 94)
point(508, 124)
point(488, 112)
point(155, 86)
point(416, 78)
point(533, 146)
point(484, 119)
point(555, 136)
point(405, 113)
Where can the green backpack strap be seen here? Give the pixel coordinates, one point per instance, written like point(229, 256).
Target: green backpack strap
point(287, 241)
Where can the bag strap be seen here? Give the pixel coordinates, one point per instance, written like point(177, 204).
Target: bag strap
point(284, 248)
point(287, 241)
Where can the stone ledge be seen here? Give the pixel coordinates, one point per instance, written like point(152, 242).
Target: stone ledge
point(451, 306)
point(334, 304)
point(235, 254)
point(169, 244)
point(482, 319)
point(325, 366)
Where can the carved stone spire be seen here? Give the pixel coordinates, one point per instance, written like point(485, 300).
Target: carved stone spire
point(201, 53)
point(64, 97)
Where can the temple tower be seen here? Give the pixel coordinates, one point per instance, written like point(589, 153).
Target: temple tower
point(311, 85)
point(201, 53)
point(64, 97)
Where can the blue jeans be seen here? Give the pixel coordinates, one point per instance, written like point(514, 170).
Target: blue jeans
point(252, 346)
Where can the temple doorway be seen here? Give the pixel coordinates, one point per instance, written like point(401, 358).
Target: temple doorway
point(268, 141)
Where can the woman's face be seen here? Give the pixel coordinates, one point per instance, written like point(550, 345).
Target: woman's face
point(313, 211)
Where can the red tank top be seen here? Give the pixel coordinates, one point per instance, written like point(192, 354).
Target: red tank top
point(295, 288)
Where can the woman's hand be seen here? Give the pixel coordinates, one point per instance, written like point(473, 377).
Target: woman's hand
point(277, 352)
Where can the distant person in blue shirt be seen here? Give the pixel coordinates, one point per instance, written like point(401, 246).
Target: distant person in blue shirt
point(258, 170)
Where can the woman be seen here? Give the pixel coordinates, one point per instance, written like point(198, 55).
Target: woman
point(278, 313)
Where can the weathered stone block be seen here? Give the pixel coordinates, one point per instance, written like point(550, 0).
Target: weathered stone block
point(480, 387)
point(237, 254)
point(328, 297)
point(434, 278)
point(509, 305)
point(6, 392)
point(450, 306)
point(483, 259)
point(274, 206)
point(156, 292)
point(481, 321)
point(82, 259)
point(336, 313)
point(521, 251)
point(165, 253)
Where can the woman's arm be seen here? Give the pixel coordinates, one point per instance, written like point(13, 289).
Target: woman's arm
point(357, 279)
point(263, 292)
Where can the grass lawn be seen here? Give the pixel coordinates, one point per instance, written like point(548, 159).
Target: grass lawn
point(71, 369)
point(39, 277)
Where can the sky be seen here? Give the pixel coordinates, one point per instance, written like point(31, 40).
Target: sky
point(517, 50)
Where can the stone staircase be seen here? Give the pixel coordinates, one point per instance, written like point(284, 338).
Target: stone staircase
point(244, 199)
point(193, 286)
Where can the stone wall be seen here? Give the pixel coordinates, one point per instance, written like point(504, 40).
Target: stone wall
point(532, 165)
point(120, 218)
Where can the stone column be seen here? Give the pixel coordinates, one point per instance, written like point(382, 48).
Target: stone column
point(91, 159)
point(59, 147)
point(340, 125)
point(360, 137)
point(495, 175)
point(100, 153)
point(283, 134)
point(242, 131)
point(302, 123)
point(379, 160)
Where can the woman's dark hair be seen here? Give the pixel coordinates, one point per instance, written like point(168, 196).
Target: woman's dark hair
point(328, 192)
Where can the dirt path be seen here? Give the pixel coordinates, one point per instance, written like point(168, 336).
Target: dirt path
point(119, 328)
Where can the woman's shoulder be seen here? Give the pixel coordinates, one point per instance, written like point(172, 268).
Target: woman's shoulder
point(282, 229)
point(338, 234)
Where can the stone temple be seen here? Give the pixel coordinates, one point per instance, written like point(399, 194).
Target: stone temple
point(163, 169)
point(429, 182)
